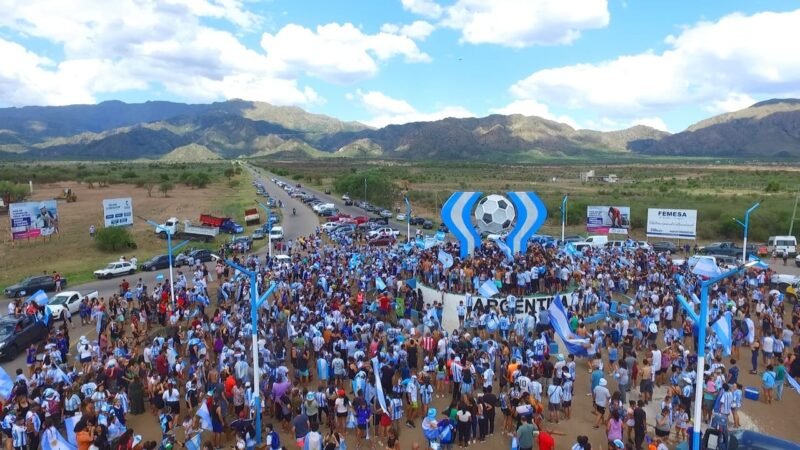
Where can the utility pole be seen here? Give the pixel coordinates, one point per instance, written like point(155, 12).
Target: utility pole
point(365, 189)
point(794, 215)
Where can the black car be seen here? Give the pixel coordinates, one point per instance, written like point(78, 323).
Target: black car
point(348, 202)
point(17, 333)
point(200, 255)
point(327, 192)
point(664, 246)
point(156, 263)
point(32, 284)
point(379, 220)
point(417, 220)
point(427, 225)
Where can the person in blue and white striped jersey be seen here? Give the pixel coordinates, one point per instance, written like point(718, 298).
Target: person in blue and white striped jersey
point(19, 435)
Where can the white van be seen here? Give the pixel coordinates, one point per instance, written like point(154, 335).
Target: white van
point(778, 245)
point(597, 241)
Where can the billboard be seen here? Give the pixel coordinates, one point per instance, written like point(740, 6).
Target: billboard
point(118, 212)
point(608, 219)
point(33, 219)
point(672, 223)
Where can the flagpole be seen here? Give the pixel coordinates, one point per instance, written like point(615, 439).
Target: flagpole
point(563, 217)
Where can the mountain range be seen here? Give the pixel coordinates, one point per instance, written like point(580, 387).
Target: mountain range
point(115, 130)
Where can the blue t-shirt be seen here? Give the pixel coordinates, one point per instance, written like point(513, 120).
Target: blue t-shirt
point(596, 376)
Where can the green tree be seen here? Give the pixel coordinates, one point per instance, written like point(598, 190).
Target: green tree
point(149, 185)
point(380, 190)
point(165, 187)
point(229, 173)
point(11, 192)
point(114, 239)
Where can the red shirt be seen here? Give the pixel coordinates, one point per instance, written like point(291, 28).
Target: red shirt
point(546, 442)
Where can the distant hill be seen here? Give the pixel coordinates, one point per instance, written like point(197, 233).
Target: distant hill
point(242, 129)
point(767, 129)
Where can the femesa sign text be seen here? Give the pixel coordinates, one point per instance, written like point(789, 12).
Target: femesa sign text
point(672, 223)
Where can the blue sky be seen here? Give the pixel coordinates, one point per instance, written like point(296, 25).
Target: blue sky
point(589, 63)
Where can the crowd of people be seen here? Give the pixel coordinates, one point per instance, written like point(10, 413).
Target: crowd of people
point(350, 353)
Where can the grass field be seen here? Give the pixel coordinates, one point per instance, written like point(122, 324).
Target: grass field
point(718, 191)
point(73, 253)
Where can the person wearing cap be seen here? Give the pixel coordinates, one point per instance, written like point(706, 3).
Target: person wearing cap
point(601, 398)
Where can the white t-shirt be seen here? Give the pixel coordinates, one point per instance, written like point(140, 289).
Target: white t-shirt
point(768, 346)
point(463, 416)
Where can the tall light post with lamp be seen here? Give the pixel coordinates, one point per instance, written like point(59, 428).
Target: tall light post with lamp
point(702, 325)
point(256, 302)
point(170, 251)
point(746, 226)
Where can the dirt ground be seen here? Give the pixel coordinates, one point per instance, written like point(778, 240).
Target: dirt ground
point(72, 252)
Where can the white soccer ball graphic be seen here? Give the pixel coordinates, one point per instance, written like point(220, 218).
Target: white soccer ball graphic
point(494, 214)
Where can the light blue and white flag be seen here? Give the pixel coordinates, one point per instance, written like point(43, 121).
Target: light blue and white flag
point(40, 297)
point(194, 443)
point(759, 263)
point(501, 244)
point(488, 288)
point(408, 210)
point(439, 236)
point(69, 424)
point(205, 417)
point(559, 321)
point(446, 259)
point(705, 267)
point(572, 251)
point(722, 328)
point(380, 285)
point(376, 366)
point(53, 440)
point(6, 384)
point(793, 383)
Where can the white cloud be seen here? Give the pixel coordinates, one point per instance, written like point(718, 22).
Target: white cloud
point(336, 53)
point(427, 8)
point(719, 64)
point(387, 110)
point(124, 45)
point(733, 102)
point(610, 124)
point(522, 23)
point(531, 107)
point(418, 30)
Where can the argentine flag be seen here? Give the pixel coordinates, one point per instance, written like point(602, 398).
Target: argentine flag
point(559, 321)
point(488, 288)
point(194, 443)
point(6, 384)
point(376, 366)
point(40, 297)
point(379, 284)
point(69, 424)
point(53, 440)
point(205, 417)
point(501, 244)
point(722, 328)
point(446, 259)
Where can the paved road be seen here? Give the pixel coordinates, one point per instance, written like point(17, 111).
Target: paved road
point(302, 224)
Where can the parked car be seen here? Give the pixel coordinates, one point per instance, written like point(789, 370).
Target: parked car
point(192, 257)
point(721, 248)
point(17, 333)
point(381, 241)
point(68, 300)
point(327, 191)
point(417, 221)
point(329, 212)
point(427, 225)
point(347, 229)
point(665, 246)
point(156, 263)
point(115, 269)
point(379, 220)
point(258, 234)
point(386, 213)
point(330, 226)
point(401, 217)
point(348, 202)
point(32, 284)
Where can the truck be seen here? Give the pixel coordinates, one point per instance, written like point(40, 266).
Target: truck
point(68, 300)
point(188, 231)
point(721, 248)
point(251, 216)
point(225, 224)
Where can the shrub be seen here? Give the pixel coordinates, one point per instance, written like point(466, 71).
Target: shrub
point(114, 239)
point(233, 183)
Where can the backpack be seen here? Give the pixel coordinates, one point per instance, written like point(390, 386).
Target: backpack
point(276, 440)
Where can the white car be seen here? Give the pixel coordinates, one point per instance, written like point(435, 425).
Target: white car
point(386, 213)
point(276, 234)
point(70, 300)
point(330, 226)
point(383, 231)
point(116, 269)
point(401, 217)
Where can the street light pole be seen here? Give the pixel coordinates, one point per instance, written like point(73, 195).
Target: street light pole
point(170, 250)
point(702, 324)
point(255, 303)
point(746, 226)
